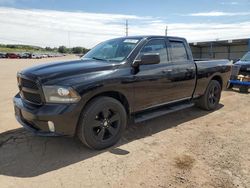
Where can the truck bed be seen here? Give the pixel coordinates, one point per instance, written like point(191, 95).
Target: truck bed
point(208, 69)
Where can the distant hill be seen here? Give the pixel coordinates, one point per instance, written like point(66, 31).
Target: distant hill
point(22, 48)
point(29, 48)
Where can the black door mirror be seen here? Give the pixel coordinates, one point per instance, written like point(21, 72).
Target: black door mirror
point(148, 59)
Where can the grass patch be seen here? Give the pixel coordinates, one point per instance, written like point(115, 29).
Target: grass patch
point(8, 50)
point(184, 162)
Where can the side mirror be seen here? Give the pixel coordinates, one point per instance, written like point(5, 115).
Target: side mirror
point(148, 59)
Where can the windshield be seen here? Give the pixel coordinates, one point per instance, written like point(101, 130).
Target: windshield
point(246, 57)
point(113, 50)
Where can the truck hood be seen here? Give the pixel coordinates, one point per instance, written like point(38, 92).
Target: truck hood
point(242, 63)
point(65, 70)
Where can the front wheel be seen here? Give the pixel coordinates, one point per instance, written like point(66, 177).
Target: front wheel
point(102, 123)
point(211, 98)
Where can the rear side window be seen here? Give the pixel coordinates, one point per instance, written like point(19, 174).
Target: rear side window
point(178, 50)
point(156, 46)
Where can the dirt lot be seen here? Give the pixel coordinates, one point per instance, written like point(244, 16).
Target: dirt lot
point(191, 148)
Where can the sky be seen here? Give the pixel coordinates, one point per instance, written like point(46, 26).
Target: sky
point(86, 23)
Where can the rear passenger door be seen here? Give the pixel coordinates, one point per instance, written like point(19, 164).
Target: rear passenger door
point(181, 71)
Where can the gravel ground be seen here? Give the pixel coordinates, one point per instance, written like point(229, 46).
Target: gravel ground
point(191, 148)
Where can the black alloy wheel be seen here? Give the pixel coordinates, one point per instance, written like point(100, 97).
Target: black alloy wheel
point(106, 124)
point(211, 97)
point(214, 95)
point(102, 123)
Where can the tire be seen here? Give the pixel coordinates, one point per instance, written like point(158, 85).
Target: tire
point(243, 89)
point(102, 123)
point(211, 98)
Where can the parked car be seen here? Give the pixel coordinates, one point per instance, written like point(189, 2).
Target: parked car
point(25, 55)
point(51, 55)
point(2, 55)
point(36, 56)
point(44, 55)
point(135, 78)
point(13, 55)
point(240, 77)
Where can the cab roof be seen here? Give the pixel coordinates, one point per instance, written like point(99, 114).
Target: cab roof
point(153, 36)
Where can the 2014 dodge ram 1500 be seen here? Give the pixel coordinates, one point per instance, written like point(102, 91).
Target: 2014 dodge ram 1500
point(134, 78)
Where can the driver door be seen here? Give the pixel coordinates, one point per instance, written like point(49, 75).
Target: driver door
point(151, 84)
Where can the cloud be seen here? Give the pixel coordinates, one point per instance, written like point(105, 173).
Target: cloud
point(210, 31)
point(54, 28)
point(216, 14)
point(229, 3)
point(46, 27)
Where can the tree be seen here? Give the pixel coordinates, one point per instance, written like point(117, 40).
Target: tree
point(62, 49)
point(77, 50)
point(11, 46)
point(85, 50)
point(48, 49)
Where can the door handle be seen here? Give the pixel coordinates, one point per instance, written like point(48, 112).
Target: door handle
point(192, 68)
point(167, 71)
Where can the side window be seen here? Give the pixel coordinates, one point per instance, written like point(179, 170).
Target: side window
point(156, 46)
point(178, 50)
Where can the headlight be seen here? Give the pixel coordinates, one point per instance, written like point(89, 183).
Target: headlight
point(60, 94)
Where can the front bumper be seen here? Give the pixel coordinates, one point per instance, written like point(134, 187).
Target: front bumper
point(35, 117)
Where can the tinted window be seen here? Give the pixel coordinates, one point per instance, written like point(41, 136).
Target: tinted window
point(246, 57)
point(113, 50)
point(156, 46)
point(178, 51)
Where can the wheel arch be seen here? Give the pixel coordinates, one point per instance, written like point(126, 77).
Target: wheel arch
point(219, 79)
point(113, 94)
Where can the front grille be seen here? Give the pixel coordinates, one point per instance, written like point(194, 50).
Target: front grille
point(244, 73)
point(28, 84)
point(29, 90)
point(244, 70)
point(34, 98)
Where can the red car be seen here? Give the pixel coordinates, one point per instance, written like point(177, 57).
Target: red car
point(12, 55)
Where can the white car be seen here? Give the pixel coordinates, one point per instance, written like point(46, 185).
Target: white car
point(36, 56)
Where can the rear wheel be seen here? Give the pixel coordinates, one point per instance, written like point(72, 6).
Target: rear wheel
point(102, 123)
point(211, 98)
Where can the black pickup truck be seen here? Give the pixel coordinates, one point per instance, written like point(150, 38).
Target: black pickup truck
point(132, 78)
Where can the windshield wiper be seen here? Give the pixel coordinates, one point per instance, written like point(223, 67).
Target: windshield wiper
point(100, 59)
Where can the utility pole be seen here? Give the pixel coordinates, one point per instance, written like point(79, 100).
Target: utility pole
point(69, 38)
point(126, 28)
point(249, 44)
point(166, 31)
